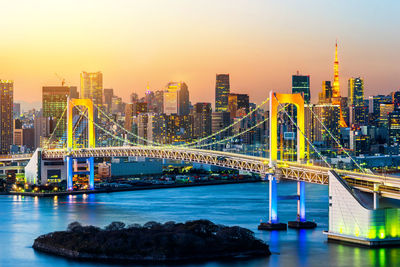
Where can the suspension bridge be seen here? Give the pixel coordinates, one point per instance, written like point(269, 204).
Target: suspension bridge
point(352, 217)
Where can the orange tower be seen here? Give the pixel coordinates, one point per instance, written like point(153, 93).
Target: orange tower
point(336, 88)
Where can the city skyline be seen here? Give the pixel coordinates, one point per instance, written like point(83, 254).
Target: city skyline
point(136, 50)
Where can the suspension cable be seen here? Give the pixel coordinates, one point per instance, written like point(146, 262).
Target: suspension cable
point(337, 142)
point(229, 126)
point(191, 143)
point(295, 124)
point(58, 123)
point(238, 134)
point(106, 131)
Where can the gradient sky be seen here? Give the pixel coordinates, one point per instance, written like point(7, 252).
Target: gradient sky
point(260, 43)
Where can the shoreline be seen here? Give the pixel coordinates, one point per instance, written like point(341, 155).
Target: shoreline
point(133, 188)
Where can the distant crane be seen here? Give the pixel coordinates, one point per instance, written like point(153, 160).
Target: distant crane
point(63, 82)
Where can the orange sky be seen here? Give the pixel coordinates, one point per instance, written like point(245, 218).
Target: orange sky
point(260, 43)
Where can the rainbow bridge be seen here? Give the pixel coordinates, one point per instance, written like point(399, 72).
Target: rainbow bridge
point(352, 218)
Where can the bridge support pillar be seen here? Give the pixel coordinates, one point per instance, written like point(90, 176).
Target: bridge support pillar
point(273, 220)
point(301, 222)
point(376, 196)
point(70, 173)
point(91, 173)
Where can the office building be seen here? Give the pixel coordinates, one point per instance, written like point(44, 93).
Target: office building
point(108, 96)
point(238, 103)
point(222, 90)
point(356, 92)
point(92, 86)
point(16, 110)
point(6, 115)
point(176, 99)
point(202, 120)
point(394, 128)
point(219, 121)
point(42, 126)
point(301, 84)
point(325, 96)
point(329, 115)
point(54, 104)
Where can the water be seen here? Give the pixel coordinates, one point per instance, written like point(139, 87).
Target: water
point(25, 218)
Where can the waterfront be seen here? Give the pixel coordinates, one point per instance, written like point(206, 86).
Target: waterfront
point(24, 218)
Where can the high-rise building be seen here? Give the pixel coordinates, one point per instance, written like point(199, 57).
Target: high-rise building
point(396, 100)
point(92, 86)
point(202, 120)
point(176, 99)
point(356, 92)
point(385, 110)
point(222, 90)
point(358, 111)
point(16, 110)
point(42, 126)
point(326, 95)
point(54, 102)
point(108, 95)
point(6, 115)
point(329, 115)
point(238, 102)
point(219, 121)
point(301, 84)
point(394, 128)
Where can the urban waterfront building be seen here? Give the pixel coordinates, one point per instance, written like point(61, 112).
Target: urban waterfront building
point(54, 102)
point(301, 84)
point(176, 99)
point(42, 126)
point(108, 96)
point(238, 103)
point(329, 115)
point(202, 120)
point(6, 115)
point(222, 90)
point(394, 128)
point(220, 120)
point(16, 110)
point(92, 86)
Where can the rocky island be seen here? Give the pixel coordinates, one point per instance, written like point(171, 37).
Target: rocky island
point(153, 242)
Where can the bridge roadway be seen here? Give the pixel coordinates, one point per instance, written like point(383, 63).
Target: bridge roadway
point(387, 186)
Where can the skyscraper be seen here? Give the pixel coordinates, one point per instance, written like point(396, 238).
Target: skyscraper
point(176, 99)
point(222, 90)
point(358, 110)
point(202, 120)
point(108, 95)
point(92, 86)
point(326, 95)
point(6, 115)
point(301, 84)
point(336, 88)
point(54, 101)
point(356, 91)
point(237, 102)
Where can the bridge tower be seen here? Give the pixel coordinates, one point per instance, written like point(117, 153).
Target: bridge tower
point(273, 223)
point(80, 165)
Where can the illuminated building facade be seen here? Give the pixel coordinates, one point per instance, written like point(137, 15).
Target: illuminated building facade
point(326, 94)
point(329, 115)
point(176, 99)
point(394, 128)
point(54, 102)
point(237, 103)
point(385, 110)
point(92, 86)
point(222, 90)
point(202, 120)
point(301, 84)
point(6, 115)
point(220, 120)
point(108, 95)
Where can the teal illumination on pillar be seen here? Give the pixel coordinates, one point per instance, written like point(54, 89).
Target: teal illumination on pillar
point(301, 202)
point(91, 173)
point(273, 200)
point(69, 174)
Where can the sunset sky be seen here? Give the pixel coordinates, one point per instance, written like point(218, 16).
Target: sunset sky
point(260, 43)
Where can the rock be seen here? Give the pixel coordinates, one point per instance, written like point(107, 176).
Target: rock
point(154, 242)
